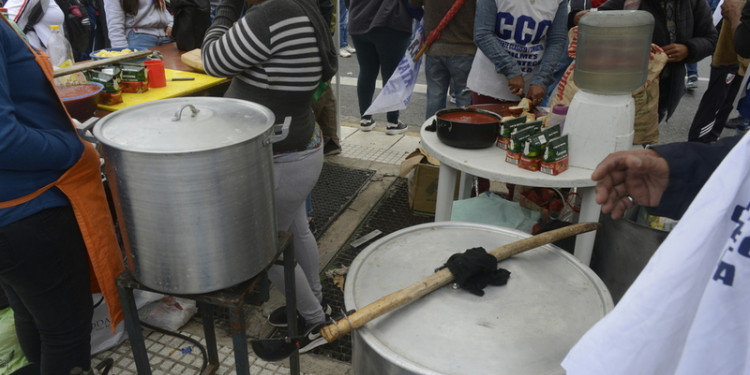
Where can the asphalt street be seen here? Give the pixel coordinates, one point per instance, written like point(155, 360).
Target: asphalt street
point(414, 115)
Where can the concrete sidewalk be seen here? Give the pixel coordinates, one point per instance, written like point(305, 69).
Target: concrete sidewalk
point(373, 150)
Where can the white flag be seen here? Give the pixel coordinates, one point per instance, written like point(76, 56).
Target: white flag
point(687, 312)
point(396, 93)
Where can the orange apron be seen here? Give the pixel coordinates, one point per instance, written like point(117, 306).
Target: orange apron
point(82, 184)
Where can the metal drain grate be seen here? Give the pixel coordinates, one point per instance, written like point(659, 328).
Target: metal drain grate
point(336, 188)
point(390, 214)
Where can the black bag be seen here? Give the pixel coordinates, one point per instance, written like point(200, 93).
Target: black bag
point(191, 20)
point(77, 25)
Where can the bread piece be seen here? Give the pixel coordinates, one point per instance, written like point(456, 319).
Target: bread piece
point(525, 105)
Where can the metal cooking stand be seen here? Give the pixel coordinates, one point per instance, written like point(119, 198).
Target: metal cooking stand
point(232, 298)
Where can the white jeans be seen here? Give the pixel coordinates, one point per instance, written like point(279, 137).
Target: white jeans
point(295, 176)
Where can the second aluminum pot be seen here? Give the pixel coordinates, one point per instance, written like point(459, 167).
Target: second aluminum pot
point(192, 184)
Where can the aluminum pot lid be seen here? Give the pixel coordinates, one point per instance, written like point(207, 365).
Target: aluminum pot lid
point(186, 124)
point(525, 327)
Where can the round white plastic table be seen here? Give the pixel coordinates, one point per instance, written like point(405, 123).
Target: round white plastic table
point(490, 163)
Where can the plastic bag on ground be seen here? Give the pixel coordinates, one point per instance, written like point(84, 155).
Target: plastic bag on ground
point(490, 208)
point(11, 356)
point(168, 313)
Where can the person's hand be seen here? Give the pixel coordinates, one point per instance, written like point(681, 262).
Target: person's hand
point(577, 17)
point(168, 31)
point(515, 85)
point(626, 178)
point(536, 94)
point(676, 52)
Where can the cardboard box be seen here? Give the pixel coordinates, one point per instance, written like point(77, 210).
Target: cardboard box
point(421, 170)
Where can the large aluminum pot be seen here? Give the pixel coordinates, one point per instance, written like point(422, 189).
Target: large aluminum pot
point(523, 328)
point(192, 183)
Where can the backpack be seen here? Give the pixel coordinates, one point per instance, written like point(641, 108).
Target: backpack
point(191, 20)
point(77, 24)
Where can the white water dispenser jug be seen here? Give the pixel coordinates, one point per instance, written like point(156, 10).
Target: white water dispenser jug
point(611, 62)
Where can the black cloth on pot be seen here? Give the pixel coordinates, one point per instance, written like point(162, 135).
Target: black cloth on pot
point(474, 269)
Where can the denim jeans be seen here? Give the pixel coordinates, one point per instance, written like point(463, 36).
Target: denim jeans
point(378, 51)
point(692, 69)
point(44, 271)
point(146, 41)
point(343, 25)
point(444, 73)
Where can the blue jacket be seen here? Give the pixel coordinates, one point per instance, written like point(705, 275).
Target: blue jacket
point(37, 141)
point(690, 166)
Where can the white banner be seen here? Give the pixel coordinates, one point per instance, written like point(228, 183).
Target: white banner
point(396, 93)
point(687, 312)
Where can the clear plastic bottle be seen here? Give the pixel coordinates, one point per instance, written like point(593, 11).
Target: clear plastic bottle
point(58, 48)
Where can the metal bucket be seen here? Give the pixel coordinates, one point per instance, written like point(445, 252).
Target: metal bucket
point(192, 183)
point(622, 249)
point(524, 328)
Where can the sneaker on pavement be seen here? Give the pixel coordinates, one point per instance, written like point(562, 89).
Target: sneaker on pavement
point(312, 339)
point(350, 49)
point(740, 123)
point(331, 148)
point(393, 129)
point(366, 124)
point(277, 318)
point(692, 83)
point(344, 53)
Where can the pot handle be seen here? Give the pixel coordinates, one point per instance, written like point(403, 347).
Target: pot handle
point(86, 129)
point(280, 131)
point(178, 114)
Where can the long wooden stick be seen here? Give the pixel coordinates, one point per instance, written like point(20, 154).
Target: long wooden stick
point(94, 63)
point(438, 279)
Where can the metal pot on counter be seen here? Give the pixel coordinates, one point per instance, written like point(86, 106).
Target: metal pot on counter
point(192, 185)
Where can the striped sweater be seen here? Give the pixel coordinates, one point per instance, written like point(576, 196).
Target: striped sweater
point(273, 56)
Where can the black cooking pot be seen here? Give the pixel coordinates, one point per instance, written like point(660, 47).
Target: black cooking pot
point(467, 127)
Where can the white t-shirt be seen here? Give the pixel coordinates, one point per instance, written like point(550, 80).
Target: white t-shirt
point(53, 15)
point(519, 29)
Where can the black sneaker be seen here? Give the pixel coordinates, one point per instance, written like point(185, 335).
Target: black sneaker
point(277, 318)
point(692, 83)
point(331, 148)
point(366, 124)
point(312, 339)
point(393, 129)
point(740, 123)
point(327, 309)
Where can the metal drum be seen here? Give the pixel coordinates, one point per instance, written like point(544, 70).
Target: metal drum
point(622, 249)
point(524, 328)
